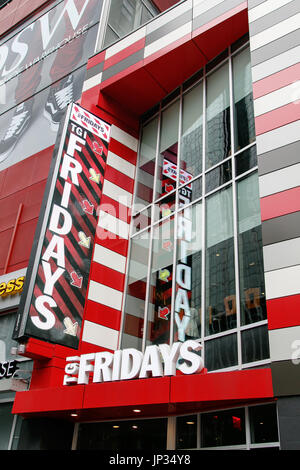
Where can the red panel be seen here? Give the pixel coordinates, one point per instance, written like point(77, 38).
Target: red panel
point(102, 315)
point(111, 241)
point(127, 393)
point(118, 210)
point(283, 312)
point(237, 385)
point(279, 204)
point(277, 80)
point(96, 60)
point(124, 53)
point(107, 276)
point(163, 5)
point(277, 118)
point(122, 151)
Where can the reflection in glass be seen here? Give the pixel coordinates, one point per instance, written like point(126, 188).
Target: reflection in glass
point(221, 352)
point(263, 423)
point(218, 141)
point(223, 428)
point(220, 277)
point(159, 309)
point(188, 274)
point(167, 161)
point(246, 160)
point(255, 344)
point(186, 432)
point(252, 286)
point(136, 292)
point(244, 126)
point(146, 166)
point(190, 192)
point(218, 176)
point(192, 129)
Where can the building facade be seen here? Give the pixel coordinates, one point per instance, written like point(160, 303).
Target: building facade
point(149, 156)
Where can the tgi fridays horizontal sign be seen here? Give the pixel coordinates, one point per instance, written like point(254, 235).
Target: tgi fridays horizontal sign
point(52, 304)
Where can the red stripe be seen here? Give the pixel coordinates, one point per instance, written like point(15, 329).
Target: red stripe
point(277, 80)
point(107, 276)
point(122, 151)
point(220, 19)
point(118, 210)
point(168, 48)
point(283, 312)
point(102, 315)
point(96, 60)
point(111, 241)
point(281, 203)
point(121, 180)
point(123, 54)
point(118, 76)
point(277, 118)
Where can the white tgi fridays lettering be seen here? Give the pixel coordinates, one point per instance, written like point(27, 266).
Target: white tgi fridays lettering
point(55, 249)
point(157, 361)
point(183, 271)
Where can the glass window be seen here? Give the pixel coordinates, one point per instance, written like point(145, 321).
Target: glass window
point(223, 428)
point(192, 129)
point(136, 292)
point(218, 140)
point(263, 422)
point(188, 274)
point(221, 352)
point(255, 344)
point(159, 308)
point(190, 192)
point(186, 432)
point(218, 176)
point(246, 160)
point(146, 165)
point(220, 277)
point(244, 126)
point(6, 421)
point(252, 286)
point(167, 162)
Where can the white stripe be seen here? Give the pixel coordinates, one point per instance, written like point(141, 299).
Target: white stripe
point(276, 64)
point(116, 193)
point(282, 282)
point(283, 343)
point(113, 225)
point(105, 295)
point(278, 137)
point(126, 42)
point(276, 99)
point(279, 180)
point(275, 32)
point(91, 82)
point(120, 164)
point(168, 39)
point(281, 255)
point(170, 15)
point(109, 258)
point(124, 138)
point(201, 6)
point(265, 8)
point(100, 335)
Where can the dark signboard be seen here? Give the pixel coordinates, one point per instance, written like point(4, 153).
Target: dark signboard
point(52, 303)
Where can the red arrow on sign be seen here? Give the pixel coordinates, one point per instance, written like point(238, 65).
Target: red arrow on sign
point(76, 279)
point(163, 312)
point(87, 206)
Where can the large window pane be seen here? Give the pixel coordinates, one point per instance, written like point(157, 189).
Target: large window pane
point(6, 421)
point(243, 100)
point(146, 165)
point(186, 432)
point(159, 309)
point(192, 129)
point(252, 286)
point(223, 428)
point(167, 162)
point(188, 274)
point(255, 344)
point(136, 292)
point(218, 141)
point(220, 277)
point(263, 423)
point(221, 352)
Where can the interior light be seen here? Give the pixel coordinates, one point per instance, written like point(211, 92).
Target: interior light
point(217, 254)
point(190, 422)
point(74, 415)
point(137, 411)
point(134, 427)
point(116, 427)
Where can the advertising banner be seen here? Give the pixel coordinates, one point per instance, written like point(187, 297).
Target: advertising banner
point(52, 304)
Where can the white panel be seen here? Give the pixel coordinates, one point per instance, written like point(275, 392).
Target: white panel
point(276, 99)
point(275, 32)
point(201, 6)
point(124, 138)
point(120, 164)
point(281, 255)
point(91, 82)
point(109, 258)
point(276, 64)
point(100, 335)
point(114, 225)
point(276, 138)
point(279, 180)
point(282, 282)
point(116, 193)
point(283, 343)
point(168, 39)
point(265, 8)
point(168, 16)
point(105, 295)
point(124, 43)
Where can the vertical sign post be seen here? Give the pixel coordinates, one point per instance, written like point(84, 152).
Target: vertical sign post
point(52, 303)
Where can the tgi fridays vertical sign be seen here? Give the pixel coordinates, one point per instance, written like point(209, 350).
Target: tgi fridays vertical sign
point(52, 304)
